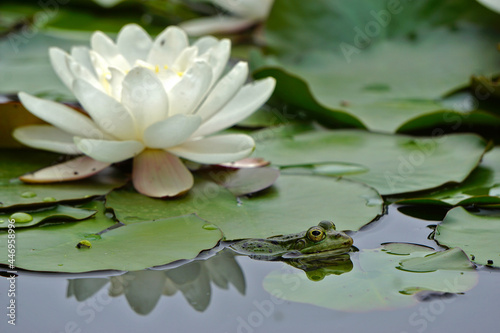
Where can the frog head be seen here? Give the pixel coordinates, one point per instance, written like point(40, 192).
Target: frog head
point(323, 238)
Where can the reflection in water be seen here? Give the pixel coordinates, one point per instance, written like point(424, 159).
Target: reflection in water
point(317, 268)
point(143, 289)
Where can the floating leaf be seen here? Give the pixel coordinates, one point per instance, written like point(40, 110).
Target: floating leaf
point(395, 163)
point(482, 187)
point(378, 280)
point(245, 181)
point(132, 247)
point(376, 40)
point(58, 212)
point(293, 204)
point(477, 235)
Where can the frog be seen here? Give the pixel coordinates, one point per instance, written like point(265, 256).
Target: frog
point(317, 241)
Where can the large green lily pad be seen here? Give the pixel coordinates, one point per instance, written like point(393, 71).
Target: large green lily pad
point(477, 235)
point(381, 279)
point(482, 187)
point(131, 247)
point(395, 163)
point(14, 193)
point(293, 204)
point(58, 212)
point(395, 47)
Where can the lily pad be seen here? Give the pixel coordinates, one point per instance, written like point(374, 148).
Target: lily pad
point(14, 193)
point(59, 212)
point(131, 247)
point(482, 187)
point(395, 163)
point(25, 64)
point(293, 204)
point(477, 235)
point(244, 181)
point(379, 280)
point(385, 43)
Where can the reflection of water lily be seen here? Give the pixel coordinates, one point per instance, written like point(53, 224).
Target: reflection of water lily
point(154, 101)
point(246, 13)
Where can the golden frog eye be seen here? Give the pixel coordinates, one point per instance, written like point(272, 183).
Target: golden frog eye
point(316, 234)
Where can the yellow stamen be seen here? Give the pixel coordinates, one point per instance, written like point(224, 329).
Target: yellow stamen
point(165, 67)
point(180, 73)
point(157, 69)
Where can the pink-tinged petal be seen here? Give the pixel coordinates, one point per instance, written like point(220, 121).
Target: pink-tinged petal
point(78, 168)
point(171, 132)
point(158, 174)
point(46, 137)
point(216, 149)
point(247, 163)
point(109, 151)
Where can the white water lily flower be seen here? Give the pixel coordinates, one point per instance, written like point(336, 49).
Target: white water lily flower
point(245, 14)
point(152, 100)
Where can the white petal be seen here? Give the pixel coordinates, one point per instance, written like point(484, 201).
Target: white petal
point(218, 57)
point(103, 45)
point(46, 137)
point(187, 94)
point(144, 96)
point(205, 43)
point(134, 43)
point(216, 25)
point(78, 168)
point(158, 174)
point(171, 132)
point(109, 114)
point(61, 116)
point(224, 90)
point(109, 151)
point(167, 46)
point(82, 56)
point(116, 82)
point(60, 65)
point(81, 72)
point(244, 103)
point(185, 59)
point(216, 149)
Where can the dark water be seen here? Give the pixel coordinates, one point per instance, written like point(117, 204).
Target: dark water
point(224, 293)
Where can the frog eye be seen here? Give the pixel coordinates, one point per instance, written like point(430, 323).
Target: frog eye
point(316, 234)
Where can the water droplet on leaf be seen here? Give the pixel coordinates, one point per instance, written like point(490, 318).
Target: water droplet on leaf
point(49, 199)
point(21, 217)
point(28, 194)
point(210, 226)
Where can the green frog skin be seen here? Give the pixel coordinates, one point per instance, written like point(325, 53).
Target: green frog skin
point(322, 239)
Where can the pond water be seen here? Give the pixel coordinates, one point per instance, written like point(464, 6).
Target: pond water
point(225, 293)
